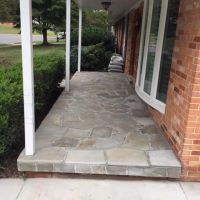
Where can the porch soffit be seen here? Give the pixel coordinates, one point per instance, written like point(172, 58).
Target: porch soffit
point(117, 9)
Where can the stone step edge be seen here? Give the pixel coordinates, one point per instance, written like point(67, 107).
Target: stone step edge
point(151, 171)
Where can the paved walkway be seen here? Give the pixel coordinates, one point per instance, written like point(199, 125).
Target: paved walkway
point(101, 127)
point(91, 189)
point(16, 38)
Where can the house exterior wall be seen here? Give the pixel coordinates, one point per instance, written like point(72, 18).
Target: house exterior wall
point(181, 121)
point(133, 42)
point(119, 31)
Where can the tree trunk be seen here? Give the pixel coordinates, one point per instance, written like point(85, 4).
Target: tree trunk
point(44, 33)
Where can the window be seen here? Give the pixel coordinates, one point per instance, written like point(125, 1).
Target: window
point(152, 45)
point(156, 48)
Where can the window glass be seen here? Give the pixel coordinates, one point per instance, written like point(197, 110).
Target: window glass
point(152, 45)
point(168, 44)
point(143, 38)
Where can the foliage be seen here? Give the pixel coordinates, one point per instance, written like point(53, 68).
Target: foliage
point(8, 10)
point(94, 58)
point(11, 107)
point(96, 18)
point(49, 71)
point(11, 55)
point(46, 15)
point(93, 35)
point(74, 19)
point(97, 47)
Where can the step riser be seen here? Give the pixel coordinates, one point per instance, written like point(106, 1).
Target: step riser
point(156, 172)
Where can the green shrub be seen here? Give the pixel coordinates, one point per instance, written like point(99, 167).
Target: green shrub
point(94, 35)
point(49, 71)
point(94, 58)
point(97, 48)
point(74, 59)
point(11, 107)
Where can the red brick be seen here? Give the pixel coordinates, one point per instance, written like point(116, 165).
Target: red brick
point(197, 39)
point(182, 114)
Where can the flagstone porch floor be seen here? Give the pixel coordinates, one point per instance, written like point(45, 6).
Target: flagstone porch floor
point(101, 127)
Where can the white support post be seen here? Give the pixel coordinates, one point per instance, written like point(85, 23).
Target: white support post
point(68, 37)
point(28, 78)
point(80, 40)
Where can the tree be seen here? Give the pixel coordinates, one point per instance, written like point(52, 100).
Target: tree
point(47, 15)
point(74, 19)
point(50, 15)
point(96, 18)
point(8, 10)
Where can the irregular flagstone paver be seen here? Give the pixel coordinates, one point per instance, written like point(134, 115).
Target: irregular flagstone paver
point(157, 142)
point(46, 155)
point(78, 133)
point(87, 144)
point(64, 168)
point(66, 142)
point(151, 129)
point(101, 132)
point(107, 143)
point(116, 170)
point(70, 116)
point(54, 118)
point(100, 127)
point(85, 157)
point(139, 113)
point(137, 141)
point(83, 169)
point(144, 121)
point(51, 129)
point(163, 158)
point(99, 169)
point(126, 157)
point(148, 171)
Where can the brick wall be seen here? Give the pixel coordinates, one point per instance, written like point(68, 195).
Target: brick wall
point(181, 121)
point(133, 42)
point(119, 31)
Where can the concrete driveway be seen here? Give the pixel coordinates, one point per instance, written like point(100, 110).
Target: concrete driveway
point(16, 39)
point(96, 189)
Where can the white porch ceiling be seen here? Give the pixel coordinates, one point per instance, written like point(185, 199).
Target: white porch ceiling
point(117, 9)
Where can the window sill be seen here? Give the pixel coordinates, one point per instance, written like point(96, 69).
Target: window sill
point(159, 106)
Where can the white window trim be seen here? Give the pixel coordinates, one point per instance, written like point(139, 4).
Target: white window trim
point(141, 42)
point(125, 36)
point(151, 99)
point(159, 47)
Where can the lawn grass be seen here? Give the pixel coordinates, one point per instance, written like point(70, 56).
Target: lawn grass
point(9, 29)
point(12, 54)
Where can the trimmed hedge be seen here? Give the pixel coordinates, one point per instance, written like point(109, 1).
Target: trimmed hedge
point(49, 71)
point(94, 58)
point(97, 47)
point(93, 36)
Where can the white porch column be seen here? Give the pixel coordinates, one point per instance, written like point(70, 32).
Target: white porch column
point(80, 39)
point(68, 36)
point(28, 79)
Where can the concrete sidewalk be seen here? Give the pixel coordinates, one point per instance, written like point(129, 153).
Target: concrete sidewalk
point(96, 189)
